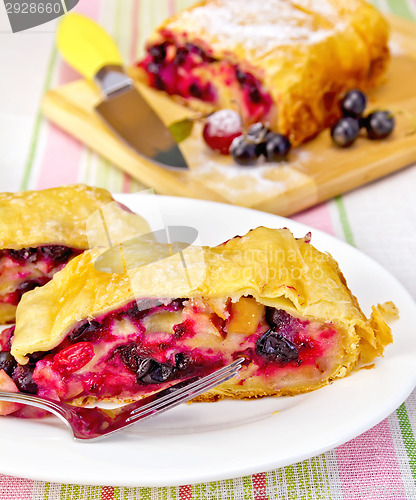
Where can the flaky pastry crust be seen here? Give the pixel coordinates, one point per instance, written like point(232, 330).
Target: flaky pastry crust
point(55, 216)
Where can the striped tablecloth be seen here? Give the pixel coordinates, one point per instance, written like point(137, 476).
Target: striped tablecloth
point(379, 219)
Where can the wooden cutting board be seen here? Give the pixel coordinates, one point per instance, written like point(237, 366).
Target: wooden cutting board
point(316, 171)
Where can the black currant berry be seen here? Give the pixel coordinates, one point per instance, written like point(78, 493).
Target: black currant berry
point(274, 347)
point(277, 147)
point(345, 131)
point(354, 103)
point(379, 124)
point(257, 132)
point(243, 151)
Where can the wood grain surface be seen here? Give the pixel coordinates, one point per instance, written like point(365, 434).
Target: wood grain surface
point(316, 171)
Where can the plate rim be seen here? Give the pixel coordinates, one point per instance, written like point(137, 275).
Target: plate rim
point(207, 476)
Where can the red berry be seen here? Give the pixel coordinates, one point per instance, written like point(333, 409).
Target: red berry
point(221, 128)
point(73, 357)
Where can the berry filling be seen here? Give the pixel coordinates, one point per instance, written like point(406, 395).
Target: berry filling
point(189, 71)
point(25, 269)
point(146, 346)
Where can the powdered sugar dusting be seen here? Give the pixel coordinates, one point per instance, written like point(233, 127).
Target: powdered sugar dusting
point(225, 122)
point(262, 26)
point(396, 48)
point(250, 185)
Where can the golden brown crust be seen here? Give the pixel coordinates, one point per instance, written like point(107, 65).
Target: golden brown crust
point(327, 48)
point(55, 216)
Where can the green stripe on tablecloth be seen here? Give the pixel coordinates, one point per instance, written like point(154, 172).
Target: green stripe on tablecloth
point(214, 489)
point(294, 482)
point(291, 483)
point(229, 488)
point(303, 469)
point(63, 495)
point(200, 491)
point(145, 493)
point(282, 477)
point(400, 8)
point(316, 477)
point(88, 167)
point(62, 492)
point(76, 491)
point(103, 172)
point(46, 491)
point(247, 488)
point(276, 482)
point(343, 216)
point(173, 493)
point(38, 120)
point(324, 478)
point(309, 479)
point(408, 437)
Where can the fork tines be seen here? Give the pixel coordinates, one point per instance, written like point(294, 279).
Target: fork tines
point(181, 393)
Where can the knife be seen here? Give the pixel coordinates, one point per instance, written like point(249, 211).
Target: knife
point(89, 49)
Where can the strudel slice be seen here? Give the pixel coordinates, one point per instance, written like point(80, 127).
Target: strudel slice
point(41, 231)
point(272, 299)
point(283, 62)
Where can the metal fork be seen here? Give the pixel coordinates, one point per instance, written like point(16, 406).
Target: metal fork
point(96, 423)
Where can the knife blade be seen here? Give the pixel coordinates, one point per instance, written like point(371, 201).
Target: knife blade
point(88, 48)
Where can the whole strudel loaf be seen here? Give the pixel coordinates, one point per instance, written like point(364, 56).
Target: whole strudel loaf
point(283, 62)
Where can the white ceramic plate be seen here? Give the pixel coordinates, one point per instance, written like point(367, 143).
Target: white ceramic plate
point(204, 442)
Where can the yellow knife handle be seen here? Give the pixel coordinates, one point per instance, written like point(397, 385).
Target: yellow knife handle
point(85, 45)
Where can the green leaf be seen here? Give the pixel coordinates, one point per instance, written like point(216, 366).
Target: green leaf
point(181, 129)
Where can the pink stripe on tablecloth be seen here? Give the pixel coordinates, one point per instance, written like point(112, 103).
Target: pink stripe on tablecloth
point(259, 486)
point(62, 155)
point(89, 8)
point(14, 488)
point(171, 7)
point(107, 493)
point(319, 217)
point(126, 188)
point(368, 466)
point(134, 31)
